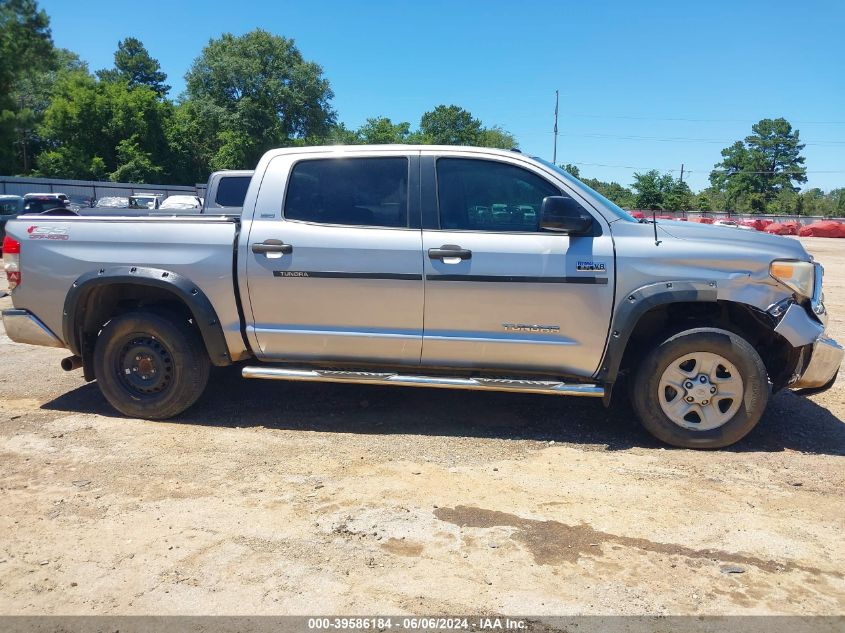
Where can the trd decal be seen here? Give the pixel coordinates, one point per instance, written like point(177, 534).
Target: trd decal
point(48, 232)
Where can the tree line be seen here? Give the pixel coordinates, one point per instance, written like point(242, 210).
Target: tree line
point(247, 94)
point(760, 174)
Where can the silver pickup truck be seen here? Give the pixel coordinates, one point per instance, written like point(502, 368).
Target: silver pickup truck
point(453, 267)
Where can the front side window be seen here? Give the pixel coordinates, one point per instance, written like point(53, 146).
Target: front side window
point(484, 195)
point(231, 191)
point(350, 191)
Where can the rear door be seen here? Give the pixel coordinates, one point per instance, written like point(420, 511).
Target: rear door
point(500, 293)
point(334, 264)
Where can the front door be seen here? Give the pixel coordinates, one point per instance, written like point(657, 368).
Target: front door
point(334, 266)
point(501, 294)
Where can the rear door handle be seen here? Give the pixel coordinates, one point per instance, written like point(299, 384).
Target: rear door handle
point(449, 251)
point(272, 246)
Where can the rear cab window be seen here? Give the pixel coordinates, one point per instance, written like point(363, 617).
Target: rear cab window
point(231, 191)
point(349, 191)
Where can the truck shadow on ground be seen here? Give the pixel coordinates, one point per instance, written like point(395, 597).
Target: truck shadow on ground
point(790, 422)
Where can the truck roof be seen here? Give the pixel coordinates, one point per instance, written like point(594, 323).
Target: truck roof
point(392, 148)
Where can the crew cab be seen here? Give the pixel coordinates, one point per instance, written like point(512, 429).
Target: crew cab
point(451, 267)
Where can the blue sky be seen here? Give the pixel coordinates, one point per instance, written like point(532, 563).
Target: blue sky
point(642, 84)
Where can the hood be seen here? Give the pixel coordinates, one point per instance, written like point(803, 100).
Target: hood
point(775, 245)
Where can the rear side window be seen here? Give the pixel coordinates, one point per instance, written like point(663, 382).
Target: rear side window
point(484, 195)
point(231, 191)
point(351, 191)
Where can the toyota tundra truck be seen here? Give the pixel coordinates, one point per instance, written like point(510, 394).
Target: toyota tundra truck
point(425, 266)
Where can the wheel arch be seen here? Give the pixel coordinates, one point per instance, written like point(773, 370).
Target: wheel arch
point(97, 296)
point(662, 309)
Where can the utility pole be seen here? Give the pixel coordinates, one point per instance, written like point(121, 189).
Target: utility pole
point(554, 156)
point(682, 172)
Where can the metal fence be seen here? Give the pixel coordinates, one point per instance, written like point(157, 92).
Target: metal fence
point(89, 188)
point(736, 217)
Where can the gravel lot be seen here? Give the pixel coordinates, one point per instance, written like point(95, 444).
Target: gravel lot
point(280, 498)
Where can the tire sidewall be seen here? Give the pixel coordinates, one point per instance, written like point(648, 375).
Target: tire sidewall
point(728, 345)
point(189, 372)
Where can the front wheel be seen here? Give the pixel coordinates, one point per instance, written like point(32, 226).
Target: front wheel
point(149, 365)
point(702, 388)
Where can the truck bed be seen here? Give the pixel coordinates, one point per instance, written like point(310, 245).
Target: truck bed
point(56, 251)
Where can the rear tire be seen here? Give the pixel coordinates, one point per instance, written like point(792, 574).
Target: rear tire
point(702, 388)
point(150, 365)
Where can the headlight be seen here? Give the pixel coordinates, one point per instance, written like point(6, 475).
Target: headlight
point(799, 276)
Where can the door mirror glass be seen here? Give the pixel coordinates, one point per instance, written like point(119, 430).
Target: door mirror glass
point(562, 214)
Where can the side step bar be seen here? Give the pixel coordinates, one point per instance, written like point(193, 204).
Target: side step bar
point(553, 387)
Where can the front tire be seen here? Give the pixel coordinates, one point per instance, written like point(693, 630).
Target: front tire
point(702, 388)
point(150, 365)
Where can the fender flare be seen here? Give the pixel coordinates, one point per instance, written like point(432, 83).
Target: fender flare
point(183, 288)
point(634, 305)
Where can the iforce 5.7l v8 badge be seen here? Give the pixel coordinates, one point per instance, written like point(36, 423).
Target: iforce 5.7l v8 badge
point(591, 267)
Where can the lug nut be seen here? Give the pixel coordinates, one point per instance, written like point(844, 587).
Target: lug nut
point(690, 399)
point(702, 379)
point(688, 385)
point(712, 389)
point(705, 402)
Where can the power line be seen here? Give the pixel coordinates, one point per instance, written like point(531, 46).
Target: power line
point(679, 139)
point(690, 120)
point(697, 171)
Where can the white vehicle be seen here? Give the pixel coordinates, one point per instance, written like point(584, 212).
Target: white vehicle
point(181, 202)
point(145, 201)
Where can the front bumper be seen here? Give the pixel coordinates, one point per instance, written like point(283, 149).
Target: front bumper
point(24, 327)
point(819, 373)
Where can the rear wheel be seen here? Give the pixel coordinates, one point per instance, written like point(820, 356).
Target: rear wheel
point(150, 365)
point(702, 388)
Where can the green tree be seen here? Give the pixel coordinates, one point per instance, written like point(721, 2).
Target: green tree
point(187, 132)
point(572, 169)
point(32, 95)
point(264, 93)
point(450, 125)
point(657, 191)
point(338, 134)
point(754, 172)
point(133, 64)
point(495, 136)
point(702, 202)
point(135, 164)
point(678, 196)
point(381, 130)
point(651, 188)
point(836, 203)
point(613, 191)
point(26, 48)
point(98, 128)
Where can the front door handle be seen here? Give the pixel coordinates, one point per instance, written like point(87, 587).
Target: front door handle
point(449, 251)
point(272, 246)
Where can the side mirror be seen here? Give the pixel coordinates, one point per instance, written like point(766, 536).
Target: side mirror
point(562, 214)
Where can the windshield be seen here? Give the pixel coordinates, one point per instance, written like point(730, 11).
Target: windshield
point(572, 180)
point(113, 202)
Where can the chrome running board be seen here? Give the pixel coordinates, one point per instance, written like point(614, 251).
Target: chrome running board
point(552, 387)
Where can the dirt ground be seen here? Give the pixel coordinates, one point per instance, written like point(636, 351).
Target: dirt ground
point(277, 498)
